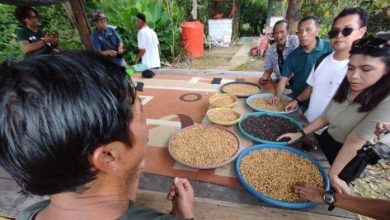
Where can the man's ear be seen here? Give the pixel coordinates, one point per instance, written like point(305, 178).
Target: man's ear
point(318, 29)
point(363, 31)
point(105, 158)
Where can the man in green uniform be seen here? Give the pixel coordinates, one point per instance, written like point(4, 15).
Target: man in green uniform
point(32, 39)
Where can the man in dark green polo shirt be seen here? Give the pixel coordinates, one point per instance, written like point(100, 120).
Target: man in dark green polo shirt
point(301, 60)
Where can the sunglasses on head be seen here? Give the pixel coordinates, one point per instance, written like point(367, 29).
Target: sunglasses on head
point(345, 32)
point(371, 43)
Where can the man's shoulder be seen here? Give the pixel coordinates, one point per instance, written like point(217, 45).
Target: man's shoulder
point(21, 33)
point(323, 62)
point(293, 40)
point(111, 29)
point(295, 53)
point(21, 30)
point(148, 30)
point(137, 212)
point(29, 212)
point(324, 45)
point(272, 49)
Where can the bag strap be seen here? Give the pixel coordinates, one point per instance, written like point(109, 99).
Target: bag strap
point(320, 59)
point(104, 40)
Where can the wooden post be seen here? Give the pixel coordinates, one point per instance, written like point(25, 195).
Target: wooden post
point(194, 11)
point(236, 20)
point(294, 6)
point(81, 22)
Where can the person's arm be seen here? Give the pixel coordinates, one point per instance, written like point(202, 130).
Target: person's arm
point(347, 152)
point(96, 45)
point(120, 48)
point(374, 208)
point(141, 46)
point(303, 96)
point(288, 70)
point(30, 47)
point(118, 38)
point(281, 85)
point(140, 53)
point(109, 53)
point(317, 124)
point(266, 77)
point(362, 133)
point(268, 67)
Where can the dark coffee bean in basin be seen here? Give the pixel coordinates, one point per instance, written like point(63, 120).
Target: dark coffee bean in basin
point(267, 127)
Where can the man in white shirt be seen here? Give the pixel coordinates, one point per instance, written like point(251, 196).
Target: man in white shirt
point(329, 72)
point(148, 45)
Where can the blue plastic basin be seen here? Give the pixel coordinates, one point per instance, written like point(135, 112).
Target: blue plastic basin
point(267, 95)
point(259, 140)
point(259, 195)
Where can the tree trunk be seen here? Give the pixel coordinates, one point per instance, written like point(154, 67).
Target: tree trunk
point(292, 12)
point(81, 22)
point(236, 20)
point(194, 11)
point(269, 13)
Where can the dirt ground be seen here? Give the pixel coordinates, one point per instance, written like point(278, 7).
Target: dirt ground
point(220, 58)
point(375, 180)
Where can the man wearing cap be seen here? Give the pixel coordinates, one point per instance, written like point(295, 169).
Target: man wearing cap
point(148, 45)
point(106, 40)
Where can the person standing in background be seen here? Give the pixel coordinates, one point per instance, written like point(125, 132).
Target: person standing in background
point(148, 44)
point(277, 53)
point(106, 40)
point(330, 70)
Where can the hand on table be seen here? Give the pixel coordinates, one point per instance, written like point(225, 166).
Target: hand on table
point(291, 136)
point(112, 53)
point(182, 196)
point(274, 100)
point(264, 80)
point(291, 105)
point(309, 192)
point(382, 127)
point(339, 185)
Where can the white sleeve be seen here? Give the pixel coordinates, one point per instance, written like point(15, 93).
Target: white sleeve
point(141, 40)
point(311, 78)
point(156, 38)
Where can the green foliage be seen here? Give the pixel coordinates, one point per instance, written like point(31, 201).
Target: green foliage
point(9, 48)
point(253, 16)
point(378, 20)
point(327, 10)
point(54, 19)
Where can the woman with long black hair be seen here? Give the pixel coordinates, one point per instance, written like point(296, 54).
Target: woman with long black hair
point(361, 101)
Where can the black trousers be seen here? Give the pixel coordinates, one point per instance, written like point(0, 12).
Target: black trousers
point(331, 148)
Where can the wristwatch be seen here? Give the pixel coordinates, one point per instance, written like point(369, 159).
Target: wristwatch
point(300, 130)
point(298, 101)
point(329, 198)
